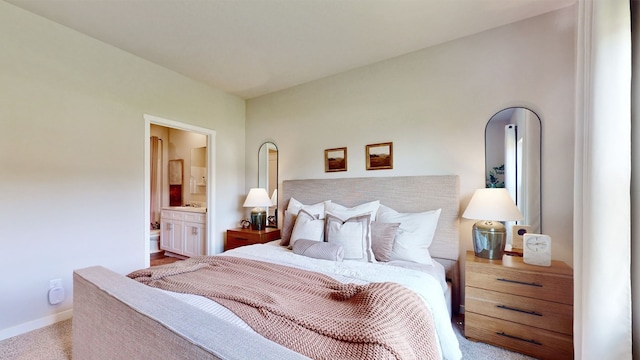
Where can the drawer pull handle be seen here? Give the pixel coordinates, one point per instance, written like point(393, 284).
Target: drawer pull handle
point(519, 282)
point(239, 238)
point(519, 338)
point(530, 312)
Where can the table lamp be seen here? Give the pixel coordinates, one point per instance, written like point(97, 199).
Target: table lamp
point(491, 206)
point(258, 199)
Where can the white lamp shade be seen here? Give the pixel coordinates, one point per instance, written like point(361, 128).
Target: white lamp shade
point(257, 197)
point(492, 204)
point(274, 197)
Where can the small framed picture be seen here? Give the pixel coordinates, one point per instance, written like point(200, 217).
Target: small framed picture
point(380, 156)
point(335, 159)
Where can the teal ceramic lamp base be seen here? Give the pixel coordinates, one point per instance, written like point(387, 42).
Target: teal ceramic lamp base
point(489, 239)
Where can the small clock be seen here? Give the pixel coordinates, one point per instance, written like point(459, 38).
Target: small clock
point(537, 249)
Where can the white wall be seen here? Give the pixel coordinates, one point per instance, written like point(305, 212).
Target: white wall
point(72, 138)
point(433, 105)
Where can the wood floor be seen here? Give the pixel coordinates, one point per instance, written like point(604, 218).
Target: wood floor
point(160, 258)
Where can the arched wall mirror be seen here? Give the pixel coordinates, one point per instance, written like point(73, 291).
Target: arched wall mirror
point(512, 160)
point(268, 177)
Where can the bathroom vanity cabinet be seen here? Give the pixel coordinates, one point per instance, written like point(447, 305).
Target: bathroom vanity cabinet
point(183, 231)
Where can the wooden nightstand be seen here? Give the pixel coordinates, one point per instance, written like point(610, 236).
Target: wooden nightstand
point(521, 307)
point(241, 237)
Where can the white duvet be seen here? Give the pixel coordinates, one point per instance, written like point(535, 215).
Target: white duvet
point(428, 286)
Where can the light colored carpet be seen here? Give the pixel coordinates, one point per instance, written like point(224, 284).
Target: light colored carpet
point(54, 343)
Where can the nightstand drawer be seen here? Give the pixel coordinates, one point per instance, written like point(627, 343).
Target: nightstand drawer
point(235, 241)
point(528, 311)
point(528, 340)
point(241, 237)
point(539, 285)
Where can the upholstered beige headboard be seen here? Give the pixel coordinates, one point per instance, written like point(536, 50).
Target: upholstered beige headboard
point(403, 194)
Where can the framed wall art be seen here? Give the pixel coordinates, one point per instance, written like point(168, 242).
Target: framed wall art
point(380, 156)
point(335, 159)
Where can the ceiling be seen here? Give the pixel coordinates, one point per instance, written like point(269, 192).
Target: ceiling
point(254, 47)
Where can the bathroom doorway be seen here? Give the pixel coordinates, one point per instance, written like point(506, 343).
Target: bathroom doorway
point(176, 141)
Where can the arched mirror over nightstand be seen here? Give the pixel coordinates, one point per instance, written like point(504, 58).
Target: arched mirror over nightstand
point(512, 160)
point(268, 177)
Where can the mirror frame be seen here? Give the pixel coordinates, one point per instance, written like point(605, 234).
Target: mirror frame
point(532, 214)
point(264, 176)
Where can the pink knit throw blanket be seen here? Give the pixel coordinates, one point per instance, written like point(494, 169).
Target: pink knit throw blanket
point(305, 311)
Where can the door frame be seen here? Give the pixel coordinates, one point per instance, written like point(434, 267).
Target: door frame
point(211, 178)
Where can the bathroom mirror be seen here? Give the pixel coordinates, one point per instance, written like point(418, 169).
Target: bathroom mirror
point(198, 180)
point(512, 160)
point(268, 177)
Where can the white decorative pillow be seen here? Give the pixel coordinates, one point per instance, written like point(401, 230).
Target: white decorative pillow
point(316, 209)
point(345, 212)
point(414, 235)
point(308, 227)
point(353, 234)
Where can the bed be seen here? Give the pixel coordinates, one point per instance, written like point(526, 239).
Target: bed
point(114, 315)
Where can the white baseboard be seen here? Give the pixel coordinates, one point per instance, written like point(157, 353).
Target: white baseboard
point(35, 324)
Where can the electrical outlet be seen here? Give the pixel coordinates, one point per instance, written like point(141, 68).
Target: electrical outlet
point(55, 283)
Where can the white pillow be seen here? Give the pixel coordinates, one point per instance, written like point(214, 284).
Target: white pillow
point(353, 234)
point(344, 212)
point(308, 227)
point(316, 209)
point(414, 235)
